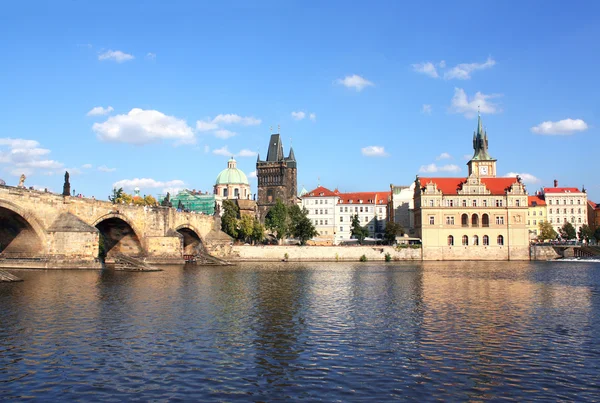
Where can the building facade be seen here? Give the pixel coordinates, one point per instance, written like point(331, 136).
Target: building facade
point(479, 217)
point(332, 212)
point(402, 207)
point(566, 204)
point(593, 215)
point(536, 214)
point(277, 177)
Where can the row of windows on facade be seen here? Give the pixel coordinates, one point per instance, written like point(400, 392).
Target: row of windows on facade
point(270, 180)
point(550, 211)
point(474, 203)
point(564, 201)
point(464, 220)
point(326, 201)
point(535, 212)
point(345, 210)
point(365, 219)
point(564, 220)
point(236, 192)
point(475, 240)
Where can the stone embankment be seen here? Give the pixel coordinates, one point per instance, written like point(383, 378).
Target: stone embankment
point(270, 253)
point(543, 252)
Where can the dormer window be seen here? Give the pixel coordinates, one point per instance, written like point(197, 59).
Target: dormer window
point(360, 201)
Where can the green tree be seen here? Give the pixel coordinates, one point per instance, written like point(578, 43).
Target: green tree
point(229, 219)
point(597, 234)
point(585, 233)
point(258, 231)
point(301, 226)
point(358, 231)
point(149, 200)
point(392, 229)
point(294, 216)
point(276, 219)
point(567, 231)
point(116, 195)
point(245, 227)
point(546, 231)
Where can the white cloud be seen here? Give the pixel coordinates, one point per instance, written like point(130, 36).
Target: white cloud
point(151, 56)
point(562, 127)
point(426, 109)
point(374, 151)
point(204, 126)
point(172, 186)
point(313, 117)
point(246, 153)
point(224, 151)
point(463, 71)
point(104, 168)
point(86, 166)
point(23, 156)
point(442, 64)
point(228, 119)
point(443, 156)
point(141, 126)
point(354, 81)
point(462, 104)
point(427, 68)
point(99, 110)
point(224, 133)
point(206, 149)
point(432, 168)
point(298, 115)
point(252, 174)
point(116, 56)
point(527, 178)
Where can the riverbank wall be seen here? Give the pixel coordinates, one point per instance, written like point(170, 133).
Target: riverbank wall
point(543, 252)
point(271, 253)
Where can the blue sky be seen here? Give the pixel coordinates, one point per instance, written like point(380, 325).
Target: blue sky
point(369, 93)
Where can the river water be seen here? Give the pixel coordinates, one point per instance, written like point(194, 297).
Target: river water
point(313, 332)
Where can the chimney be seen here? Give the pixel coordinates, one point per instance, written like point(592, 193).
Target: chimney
point(555, 183)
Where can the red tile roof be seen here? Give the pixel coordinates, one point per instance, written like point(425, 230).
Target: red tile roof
point(538, 200)
point(592, 204)
point(497, 186)
point(353, 198)
point(317, 192)
point(561, 190)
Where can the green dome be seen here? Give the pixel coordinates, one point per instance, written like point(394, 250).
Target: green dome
point(231, 175)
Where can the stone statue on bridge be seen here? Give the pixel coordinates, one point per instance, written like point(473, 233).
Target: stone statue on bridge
point(67, 185)
point(167, 201)
point(22, 181)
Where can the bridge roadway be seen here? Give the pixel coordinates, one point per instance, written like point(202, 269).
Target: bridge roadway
point(40, 229)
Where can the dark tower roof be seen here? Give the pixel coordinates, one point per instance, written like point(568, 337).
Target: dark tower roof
point(275, 152)
point(480, 142)
point(291, 157)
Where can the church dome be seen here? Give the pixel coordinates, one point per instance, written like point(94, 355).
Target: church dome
point(231, 175)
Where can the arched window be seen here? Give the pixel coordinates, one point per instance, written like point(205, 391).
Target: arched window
point(485, 220)
point(475, 220)
point(486, 240)
point(236, 192)
point(225, 192)
point(450, 240)
point(464, 219)
point(475, 240)
point(465, 240)
point(500, 240)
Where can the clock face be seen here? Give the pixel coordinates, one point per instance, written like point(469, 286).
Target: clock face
point(483, 170)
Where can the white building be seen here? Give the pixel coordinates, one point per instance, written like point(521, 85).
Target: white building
point(332, 212)
point(565, 204)
point(231, 183)
point(402, 207)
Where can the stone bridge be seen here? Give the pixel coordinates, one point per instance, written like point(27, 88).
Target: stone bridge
point(39, 229)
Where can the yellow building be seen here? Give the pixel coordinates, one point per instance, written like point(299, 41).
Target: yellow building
point(536, 213)
point(479, 217)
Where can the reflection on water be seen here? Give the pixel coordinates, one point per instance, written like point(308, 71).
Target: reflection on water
point(315, 331)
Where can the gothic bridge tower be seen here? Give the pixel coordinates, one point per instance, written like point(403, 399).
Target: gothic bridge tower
point(277, 177)
point(481, 164)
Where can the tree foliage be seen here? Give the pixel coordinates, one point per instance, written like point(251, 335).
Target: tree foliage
point(229, 219)
point(546, 231)
point(246, 227)
point(585, 233)
point(567, 231)
point(392, 229)
point(258, 231)
point(300, 226)
point(358, 231)
point(597, 234)
point(276, 219)
point(121, 197)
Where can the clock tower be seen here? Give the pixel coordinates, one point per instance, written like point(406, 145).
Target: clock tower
point(481, 165)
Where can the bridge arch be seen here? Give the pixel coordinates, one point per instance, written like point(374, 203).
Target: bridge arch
point(21, 233)
point(192, 240)
point(118, 235)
